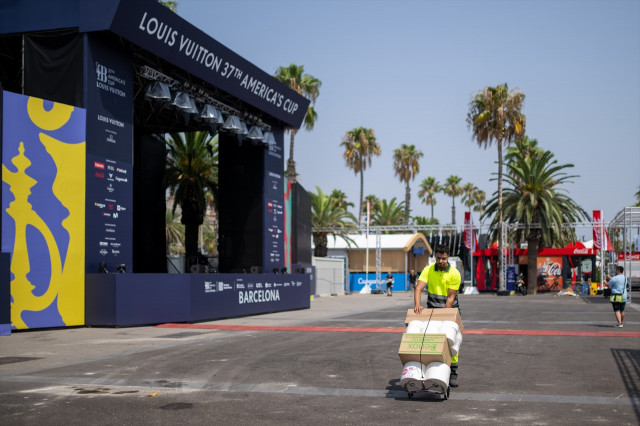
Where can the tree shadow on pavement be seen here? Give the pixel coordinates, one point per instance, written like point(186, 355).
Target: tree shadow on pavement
point(628, 362)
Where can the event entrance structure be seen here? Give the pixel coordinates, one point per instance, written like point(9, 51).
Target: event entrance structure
point(88, 88)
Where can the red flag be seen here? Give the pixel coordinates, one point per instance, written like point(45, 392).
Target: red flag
point(467, 230)
point(598, 230)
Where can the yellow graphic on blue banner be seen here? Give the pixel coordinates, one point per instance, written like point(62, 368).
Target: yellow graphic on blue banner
point(43, 210)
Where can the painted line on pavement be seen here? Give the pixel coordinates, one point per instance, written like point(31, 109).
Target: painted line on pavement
point(485, 332)
point(63, 386)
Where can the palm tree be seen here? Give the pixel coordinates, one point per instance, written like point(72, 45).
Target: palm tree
point(421, 220)
point(171, 4)
point(495, 116)
point(191, 171)
point(452, 188)
point(373, 205)
point(638, 197)
point(174, 232)
point(533, 198)
point(428, 190)
point(307, 86)
point(525, 147)
point(406, 165)
point(341, 198)
point(480, 201)
point(469, 195)
point(388, 213)
point(360, 146)
point(326, 212)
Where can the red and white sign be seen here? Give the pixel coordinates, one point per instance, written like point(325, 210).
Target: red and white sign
point(631, 256)
point(468, 233)
point(598, 231)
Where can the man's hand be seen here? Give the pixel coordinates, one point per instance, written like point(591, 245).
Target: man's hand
point(418, 309)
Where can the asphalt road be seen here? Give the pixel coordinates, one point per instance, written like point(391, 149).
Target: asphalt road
point(540, 360)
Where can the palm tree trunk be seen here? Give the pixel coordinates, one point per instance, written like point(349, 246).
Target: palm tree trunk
point(407, 203)
point(361, 197)
point(190, 241)
point(501, 282)
point(320, 243)
point(453, 210)
point(291, 165)
point(532, 265)
point(431, 211)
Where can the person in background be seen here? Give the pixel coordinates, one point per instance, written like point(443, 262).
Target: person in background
point(618, 297)
point(412, 281)
point(443, 282)
point(389, 280)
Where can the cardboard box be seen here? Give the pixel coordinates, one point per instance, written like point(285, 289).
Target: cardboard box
point(439, 314)
point(424, 348)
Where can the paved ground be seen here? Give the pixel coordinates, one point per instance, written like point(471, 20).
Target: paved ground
point(560, 362)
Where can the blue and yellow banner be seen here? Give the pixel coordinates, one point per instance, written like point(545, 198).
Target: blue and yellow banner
point(43, 210)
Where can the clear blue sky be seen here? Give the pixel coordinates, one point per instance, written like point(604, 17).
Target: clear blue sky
point(408, 69)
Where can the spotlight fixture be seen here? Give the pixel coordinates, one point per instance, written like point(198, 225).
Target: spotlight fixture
point(269, 139)
point(243, 128)
point(211, 113)
point(276, 270)
point(102, 267)
point(182, 101)
point(122, 268)
point(283, 270)
point(232, 124)
point(158, 90)
point(194, 107)
point(255, 134)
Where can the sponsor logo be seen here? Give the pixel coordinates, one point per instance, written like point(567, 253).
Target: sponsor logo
point(119, 170)
point(103, 252)
point(100, 205)
point(104, 244)
point(99, 175)
point(110, 188)
point(101, 73)
point(258, 296)
point(209, 287)
point(98, 165)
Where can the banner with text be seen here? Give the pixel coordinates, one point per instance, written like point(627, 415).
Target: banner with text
point(109, 93)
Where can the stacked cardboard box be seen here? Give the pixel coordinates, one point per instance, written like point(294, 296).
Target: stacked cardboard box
point(424, 348)
point(427, 348)
point(440, 314)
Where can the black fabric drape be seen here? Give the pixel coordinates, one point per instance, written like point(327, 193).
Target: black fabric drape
point(53, 67)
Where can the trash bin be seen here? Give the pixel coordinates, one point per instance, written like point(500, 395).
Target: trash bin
point(593, 289)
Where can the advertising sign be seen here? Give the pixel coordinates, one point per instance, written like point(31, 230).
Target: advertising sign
point(273, 230)
point(43, 210)
point(550, 273)
point(226, 295)
point(162, 32)
point(600, 232)
point(109, 235)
